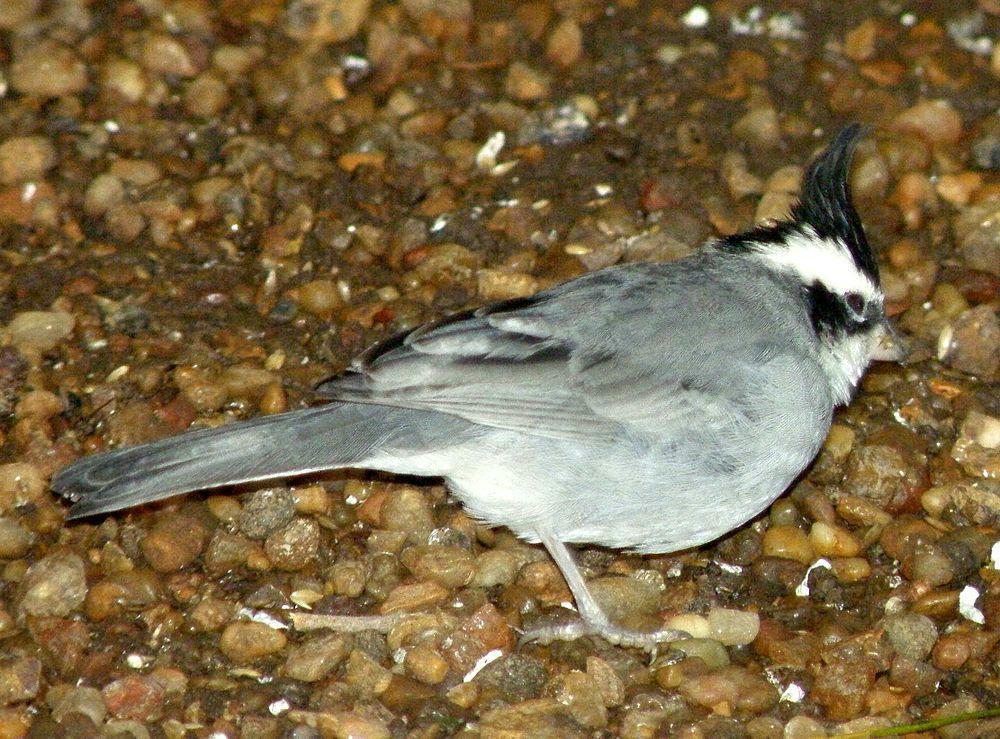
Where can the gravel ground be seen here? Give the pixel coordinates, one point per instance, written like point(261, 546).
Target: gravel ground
point(206, 207)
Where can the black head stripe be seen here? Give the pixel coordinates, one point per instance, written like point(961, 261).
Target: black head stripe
point(826, 203)
point(829, 313)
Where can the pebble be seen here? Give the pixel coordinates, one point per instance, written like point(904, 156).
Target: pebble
point(759, 127)
point(82, 699)
point(320, 297)
point(175, 541)
point(526, 83)
point(624, 597)
point(426, 664)
point(977, 231)
point(294, 546)
point(317, 657)
point(130, 589)
point(163, 54)
point(227, 551)
point(788, 542)
point(21, 484)
point(515, 677)
point(366, 675)
point(912, 635)
point(830, 540)
point(324, 21)
point(710, 651)
point(55, 585)
point(406, 509)
point(412, 597)
point(135, 697)
point(732, 627)
point(47, 69)
point(39, 330)
point(265, 511)
point(248, 641)
point(476, 636)
point(15, 539)
point(580, 694)
point(25, 158)
point(884, 475)
point(803, 727)
point(20, 680)
point(971, 343)
point(495, 567)
point(449, 566)
point(936, 121)
point(565, 43)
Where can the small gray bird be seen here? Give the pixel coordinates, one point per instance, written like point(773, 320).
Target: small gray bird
point(648, 407)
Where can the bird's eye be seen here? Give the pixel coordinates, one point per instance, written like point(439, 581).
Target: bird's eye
point(856, 303)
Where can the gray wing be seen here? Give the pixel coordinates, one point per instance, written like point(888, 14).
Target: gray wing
point(540, 366)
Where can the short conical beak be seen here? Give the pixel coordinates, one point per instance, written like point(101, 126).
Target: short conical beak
point(890, 347)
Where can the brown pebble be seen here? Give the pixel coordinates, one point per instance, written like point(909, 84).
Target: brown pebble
point(174, 542)
point(788, 542)
point(247, 641)
point(294, 546)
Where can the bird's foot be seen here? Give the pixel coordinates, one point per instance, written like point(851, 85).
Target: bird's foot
point(612, 633)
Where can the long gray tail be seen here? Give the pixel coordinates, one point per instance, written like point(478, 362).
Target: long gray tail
point(321, 438)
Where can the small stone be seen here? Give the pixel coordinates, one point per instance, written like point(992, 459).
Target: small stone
point(293, 546)
point(709, 651)
point(20, 680)
point(859, 42)
point(165, 54)
point(803, 727)
point(972, 342)
point(248, 641)
point(526, 83)
point(317, 657)
point(830, 540)
point(324, 21)
point(579, 693)
point(406, 509)
point(124, 78)
point(495, 567)
point(624, 597)
point(565, 43)
point(732, 627)
point(226, 551)
point(449, 566)
point(912, 635)
point(265, 511)
point(500, 284)
point(21, 483)
point(759, 127)
point(15, 540)
point(977, 231)
point(40, 330)
point(366, 675)
point(412, 597)
point(426, 664)
point(47, 69)
point(609, 684)
point(55, 585)
point(788, 542)
point(211, 614)
point(936, 121)
point(174, 542)
point(136, 697)
point(206, 96)
point(476, 636)
point(320, 297)
point(25, 158)
point(84, 700)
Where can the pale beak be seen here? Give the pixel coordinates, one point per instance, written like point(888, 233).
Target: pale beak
point(889, 346)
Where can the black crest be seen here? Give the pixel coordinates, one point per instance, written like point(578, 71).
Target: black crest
point(826, 205)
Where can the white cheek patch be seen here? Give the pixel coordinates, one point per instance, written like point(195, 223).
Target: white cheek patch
point(813, 259)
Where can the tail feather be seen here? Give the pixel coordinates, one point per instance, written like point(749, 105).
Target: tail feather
point(299, 442)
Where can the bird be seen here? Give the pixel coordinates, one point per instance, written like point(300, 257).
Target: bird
point(649, 407)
